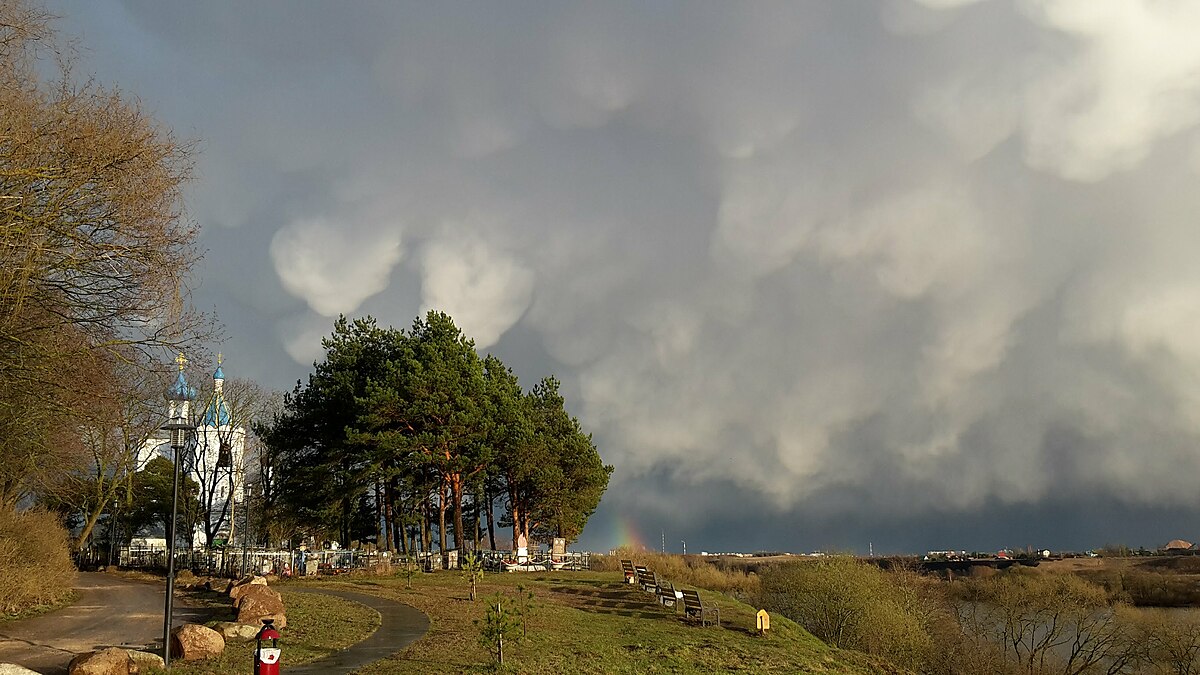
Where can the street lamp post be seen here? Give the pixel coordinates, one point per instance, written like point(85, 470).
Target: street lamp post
point(112, 517)
point(178, 398)
point(248, 493)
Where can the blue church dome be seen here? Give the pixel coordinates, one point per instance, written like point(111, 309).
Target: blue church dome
point(181, 390)
point(216, 414)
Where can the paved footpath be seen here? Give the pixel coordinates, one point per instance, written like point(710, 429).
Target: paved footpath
point(111, 612)
point(400, 626)
point(116, 612)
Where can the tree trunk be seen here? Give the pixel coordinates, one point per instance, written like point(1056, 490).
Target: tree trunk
point(383, 536)
point(456, 494)
point(442, 498)
point(475, 522)
point(516, 517)
point(389, 513)
point(88, 526)
point(491, 520)
point(426, 535)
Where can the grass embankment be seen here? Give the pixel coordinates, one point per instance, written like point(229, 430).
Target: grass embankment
point(318, 625)
point(592, 622)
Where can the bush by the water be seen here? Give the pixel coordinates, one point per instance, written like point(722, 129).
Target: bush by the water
point(35, 561)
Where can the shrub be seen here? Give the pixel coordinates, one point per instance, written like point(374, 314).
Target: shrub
point(35, 561)
point(1048, 622)
point(500, 622)
point(853, 605)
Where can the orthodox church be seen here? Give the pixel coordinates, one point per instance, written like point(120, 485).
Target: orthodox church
point(214, 457)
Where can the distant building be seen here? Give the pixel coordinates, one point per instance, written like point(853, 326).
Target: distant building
point(1179, 545)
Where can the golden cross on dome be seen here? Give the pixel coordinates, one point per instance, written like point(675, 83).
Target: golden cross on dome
point(220, 357)
point(181, 360)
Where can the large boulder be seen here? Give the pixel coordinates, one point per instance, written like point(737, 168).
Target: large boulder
point(240, 587)
point(113, 661)
point(193, 642)
point(238, 632)
point(261, 602)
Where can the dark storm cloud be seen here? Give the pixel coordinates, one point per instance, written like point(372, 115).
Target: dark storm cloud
point(808, 270)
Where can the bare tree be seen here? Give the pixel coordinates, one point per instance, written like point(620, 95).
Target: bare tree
point(94, 248)
point(115, 437)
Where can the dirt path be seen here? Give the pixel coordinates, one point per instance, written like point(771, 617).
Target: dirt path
point(111, 612)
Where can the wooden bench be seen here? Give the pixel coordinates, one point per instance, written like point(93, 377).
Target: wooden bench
point(638, 571)
point(648, 580)
point(693, 608)
point(666, 594)
point(630, 573)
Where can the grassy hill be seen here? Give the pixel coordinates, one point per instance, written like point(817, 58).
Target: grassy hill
point(592, 622)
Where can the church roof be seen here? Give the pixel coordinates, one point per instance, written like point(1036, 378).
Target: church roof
point(181, 390)
point(216, 413)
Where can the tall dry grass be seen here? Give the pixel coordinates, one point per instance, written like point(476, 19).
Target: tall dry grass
point(35, 561)
point(693, 570)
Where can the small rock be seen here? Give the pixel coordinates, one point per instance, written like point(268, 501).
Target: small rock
point(144, 662)
point(193, 642)
point(111, 661)
point(232, 630)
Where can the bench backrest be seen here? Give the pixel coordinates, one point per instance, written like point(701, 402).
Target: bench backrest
point(645, 576)
point(627, 567)
point(691, 601)
point(667, 589)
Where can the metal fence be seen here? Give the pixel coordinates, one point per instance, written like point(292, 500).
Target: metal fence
point(234, 563)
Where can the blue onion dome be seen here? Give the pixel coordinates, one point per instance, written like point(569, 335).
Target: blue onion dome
point(180, 390)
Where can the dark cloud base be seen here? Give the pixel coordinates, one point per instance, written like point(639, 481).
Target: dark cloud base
point(1076, 525)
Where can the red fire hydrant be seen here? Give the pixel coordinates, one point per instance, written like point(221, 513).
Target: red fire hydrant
point(266, 654)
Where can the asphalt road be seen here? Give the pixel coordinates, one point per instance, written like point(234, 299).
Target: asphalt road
point(111, 612)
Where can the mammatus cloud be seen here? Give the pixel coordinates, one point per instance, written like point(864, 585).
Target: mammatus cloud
point(854, 266)
point(484, 289)
point(331, 267)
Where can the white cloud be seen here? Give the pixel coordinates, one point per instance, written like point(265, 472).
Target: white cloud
point(483, 288)
point(331, 266)
point(1133, 80)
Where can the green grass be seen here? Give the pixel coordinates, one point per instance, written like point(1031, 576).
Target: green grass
point(592, 622)
point(317, 625)
point(68, 599)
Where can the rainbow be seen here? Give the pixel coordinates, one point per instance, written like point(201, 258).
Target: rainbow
point(626, 534)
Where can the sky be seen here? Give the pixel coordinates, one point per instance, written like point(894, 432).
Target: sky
point(817, 275)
